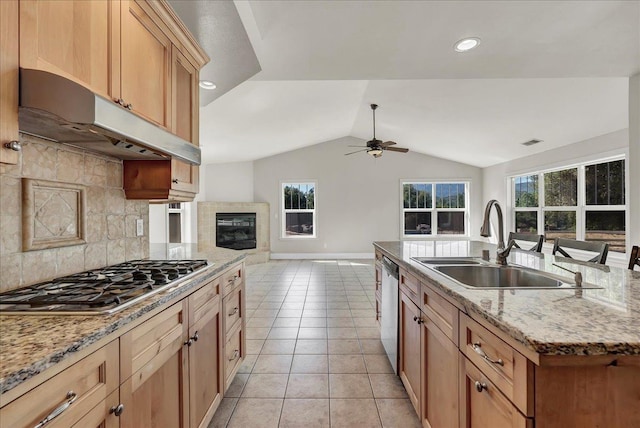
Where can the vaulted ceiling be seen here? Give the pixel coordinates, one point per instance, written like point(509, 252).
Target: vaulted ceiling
point(556, 71)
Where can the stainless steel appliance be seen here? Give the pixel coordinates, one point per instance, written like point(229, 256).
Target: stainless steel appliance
point(99, 291)
point(58, 109)
point(389, 315)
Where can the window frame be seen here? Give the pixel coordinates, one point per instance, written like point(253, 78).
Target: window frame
point(581, 207)
point(434, 210)
point(284, 211)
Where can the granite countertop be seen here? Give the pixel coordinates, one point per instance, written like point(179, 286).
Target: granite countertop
point(548, 322)
point(30, 344)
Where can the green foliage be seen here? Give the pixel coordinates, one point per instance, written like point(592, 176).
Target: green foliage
point(299, 197)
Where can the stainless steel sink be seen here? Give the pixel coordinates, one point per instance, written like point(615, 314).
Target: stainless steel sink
point(449, 260)
point(498, 277)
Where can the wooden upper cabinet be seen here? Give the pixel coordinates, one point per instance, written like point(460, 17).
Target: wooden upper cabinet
point(75, 39)
point(145, 65)
point(185, 97)
point(8, 79)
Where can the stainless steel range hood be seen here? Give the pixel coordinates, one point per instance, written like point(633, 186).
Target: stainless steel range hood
point(58, 109)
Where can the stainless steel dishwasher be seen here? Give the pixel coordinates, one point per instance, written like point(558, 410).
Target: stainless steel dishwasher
point(389, 315)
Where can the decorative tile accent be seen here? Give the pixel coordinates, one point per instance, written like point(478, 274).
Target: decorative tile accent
point(53, 214)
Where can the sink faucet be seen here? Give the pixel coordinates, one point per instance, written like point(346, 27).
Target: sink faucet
point(503, 253)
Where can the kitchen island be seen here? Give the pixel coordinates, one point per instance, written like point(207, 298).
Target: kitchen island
point(550, 357)
point(36, 351)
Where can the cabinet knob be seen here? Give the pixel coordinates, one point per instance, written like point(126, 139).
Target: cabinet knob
point(480, 386)
point(418, 320)
point(195, 337)
point(119, 101)
point(128, 106)
point(189, 342)
point(235, 311)
point(117, 410)
point(174, 181)
point(16, 146)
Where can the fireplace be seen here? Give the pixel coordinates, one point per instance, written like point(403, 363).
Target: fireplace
point(236, 231)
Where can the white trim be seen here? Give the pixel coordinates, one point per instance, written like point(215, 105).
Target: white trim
point(321, 256)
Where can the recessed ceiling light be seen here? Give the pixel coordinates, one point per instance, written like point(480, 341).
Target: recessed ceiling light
point(207, 84)
point(467, 44)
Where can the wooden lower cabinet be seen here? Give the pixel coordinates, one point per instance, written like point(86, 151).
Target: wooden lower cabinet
point(205, 383)
point(86, 387)
point(409, 368)
point(156, 355)
point(482, 404)
point(439, 378)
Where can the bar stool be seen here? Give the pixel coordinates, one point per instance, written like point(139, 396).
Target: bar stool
point(601, 248)
point(635, 257)
point(529, 237)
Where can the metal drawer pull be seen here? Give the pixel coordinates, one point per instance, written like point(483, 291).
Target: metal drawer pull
point(117, 410)
point(233, 279)
point(235, 311)
point(481, 386)
point(236, 354)
point(71, 397)
point(478, 348)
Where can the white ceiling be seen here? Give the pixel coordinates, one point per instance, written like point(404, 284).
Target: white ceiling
point(556, 71)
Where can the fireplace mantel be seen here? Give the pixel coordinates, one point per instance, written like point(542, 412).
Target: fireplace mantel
point(207, 226)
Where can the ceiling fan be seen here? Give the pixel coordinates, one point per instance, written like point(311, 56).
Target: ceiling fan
point(375, 147)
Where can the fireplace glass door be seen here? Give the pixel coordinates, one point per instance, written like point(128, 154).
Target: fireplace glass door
point(236, 231)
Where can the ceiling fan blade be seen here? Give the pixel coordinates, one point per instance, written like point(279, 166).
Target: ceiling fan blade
point(397, 149)
point(357, 151)
point(387, 143)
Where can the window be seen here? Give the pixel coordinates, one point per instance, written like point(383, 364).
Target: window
point(298, 210)
point(434, 209)
point(586, 202)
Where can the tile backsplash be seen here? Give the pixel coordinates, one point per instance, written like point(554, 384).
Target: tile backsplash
point(110, 218)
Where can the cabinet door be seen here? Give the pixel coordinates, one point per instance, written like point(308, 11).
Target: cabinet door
point(184, 97)
point(409, 346)
point(8, 79)
point(184, 176)
point(74, 39)
point(155, 391)
point(205, 363)
point(439, 378)
point(145, 65)
point(482, 404)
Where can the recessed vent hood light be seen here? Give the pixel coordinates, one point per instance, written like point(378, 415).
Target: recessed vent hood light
point(532, 142)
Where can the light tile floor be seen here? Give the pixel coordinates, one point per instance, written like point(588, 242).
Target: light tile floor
point(314, 357)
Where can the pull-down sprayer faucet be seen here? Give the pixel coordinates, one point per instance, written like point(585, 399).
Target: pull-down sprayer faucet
point(503, 253)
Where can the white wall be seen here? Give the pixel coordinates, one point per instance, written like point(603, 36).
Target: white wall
point(634, 161)
point(227, 182)
point(357, 196)
point(158, 227)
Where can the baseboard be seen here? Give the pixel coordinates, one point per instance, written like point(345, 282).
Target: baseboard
point(321, 256)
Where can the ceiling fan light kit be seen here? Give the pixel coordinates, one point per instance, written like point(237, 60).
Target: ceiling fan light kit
point(374, 146)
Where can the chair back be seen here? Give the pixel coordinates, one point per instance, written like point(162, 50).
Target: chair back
point(635, 257)
point(600, 248)
point(529, 237)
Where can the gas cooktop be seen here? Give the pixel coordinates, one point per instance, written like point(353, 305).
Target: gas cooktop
point(99, 291)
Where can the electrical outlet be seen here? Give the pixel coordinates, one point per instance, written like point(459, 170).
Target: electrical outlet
point(139, 227)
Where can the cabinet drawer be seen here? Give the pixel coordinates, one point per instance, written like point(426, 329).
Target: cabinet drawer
point(507, 369)
point(158, 336)
point(442, 313)
point(482, 404)
point(85, 384)
point(232, 307)
point(232, 278)
point(411, 286)
point(233, 355)
point(201, 300)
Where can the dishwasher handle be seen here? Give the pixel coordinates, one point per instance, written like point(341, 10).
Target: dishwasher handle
point(389, 267)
